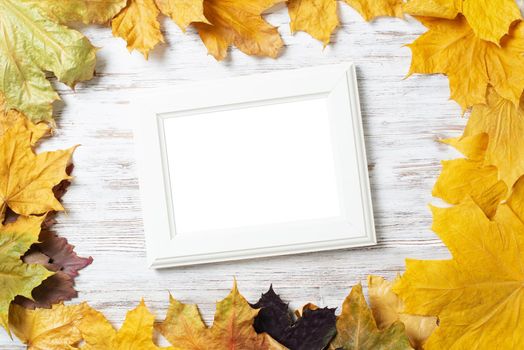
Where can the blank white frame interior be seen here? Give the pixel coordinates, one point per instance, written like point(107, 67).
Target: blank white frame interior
point(253, 166)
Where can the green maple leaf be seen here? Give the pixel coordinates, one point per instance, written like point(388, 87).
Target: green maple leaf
point(32, 44)
point(17, 277)
point(85, 11)
point(357, 329)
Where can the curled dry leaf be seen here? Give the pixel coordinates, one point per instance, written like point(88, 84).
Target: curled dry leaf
point(48, 329)
point(313, 330)
point(58, 256)
point(232, 327)
point(357, 330)
point(239, 23)
point(504, 123)
point(31, 44)
point(85, 11)
point(471, 64)
point(490, 19)
point(387, 309)
point(477, 295)
point(471, 177)
point(27, 179)
point(17, 277)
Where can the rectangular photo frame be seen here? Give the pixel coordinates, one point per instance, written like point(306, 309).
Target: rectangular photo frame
point(253, 166)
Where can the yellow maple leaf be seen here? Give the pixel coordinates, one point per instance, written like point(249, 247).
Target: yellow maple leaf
point(387, 309)
point(184, 326)
point(220, 24)
point(86, 11)
point(183, 12)
point(477, 295)
point(490, 19)
point(504, 123)
point(17, 277)
point(433, 8)
point(82, 327)
point(138, 25)
point(357, 330)
point(48, 329)
point(471, 177)
point(137, 330)
point(232, 327)
point(27, 179)
point(370, 9)
point(318, 18)
point(138, 22)
point(97, 332)
point(9, 118)
point(471, 64)
point(239, 23)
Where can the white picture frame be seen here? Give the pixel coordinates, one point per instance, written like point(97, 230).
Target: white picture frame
point(176, 236)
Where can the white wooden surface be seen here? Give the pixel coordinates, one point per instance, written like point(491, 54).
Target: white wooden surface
point(403, 119)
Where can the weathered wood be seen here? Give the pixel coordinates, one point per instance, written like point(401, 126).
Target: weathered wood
point(403, 121)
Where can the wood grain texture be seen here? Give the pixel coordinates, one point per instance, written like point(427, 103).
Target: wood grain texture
point(403, 120)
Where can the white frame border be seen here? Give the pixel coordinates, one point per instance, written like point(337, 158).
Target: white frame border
point(334, 80)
